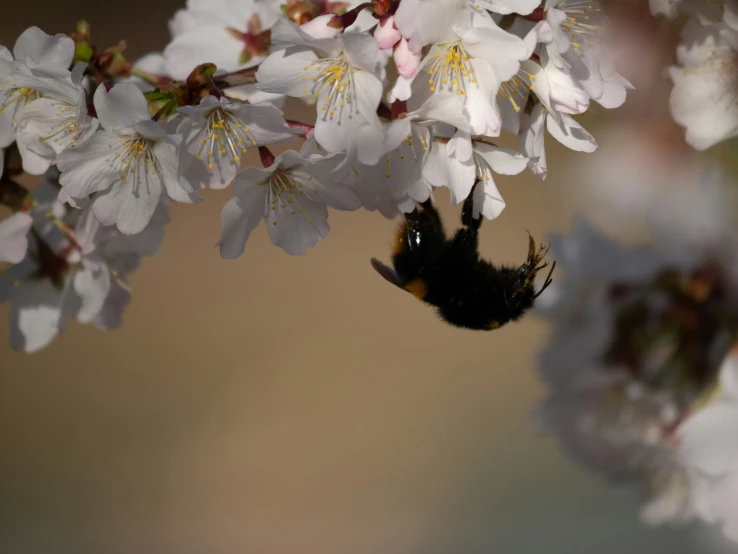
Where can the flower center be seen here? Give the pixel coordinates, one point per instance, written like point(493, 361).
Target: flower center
point(515, 91)
point(722, 67)
point(584, 22)
point(673, 333)
point(332, 79)
point(451, 70)
point(481, 166)
point(133, 159)
point(16, 98)
point(413, 147)
point(255, 40)
point(66, 131)
point(224, 136)
point(288, 190)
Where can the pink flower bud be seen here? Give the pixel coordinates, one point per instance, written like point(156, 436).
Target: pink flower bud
point(387, 34)
point(406, 60)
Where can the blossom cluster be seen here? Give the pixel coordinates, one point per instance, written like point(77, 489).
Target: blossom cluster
point(704, 99)
point(641, 363)
point(407, 94)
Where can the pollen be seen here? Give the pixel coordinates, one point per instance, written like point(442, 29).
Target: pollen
point(133, 161)
point(222, 139)
point(450, 73)
point(514, 92)
point(287, 192)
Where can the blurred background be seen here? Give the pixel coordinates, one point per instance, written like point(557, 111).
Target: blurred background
point(276, 404)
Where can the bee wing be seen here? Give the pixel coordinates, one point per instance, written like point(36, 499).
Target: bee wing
point(388, 273)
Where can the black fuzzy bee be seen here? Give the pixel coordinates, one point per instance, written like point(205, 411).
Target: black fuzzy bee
point(449, 274)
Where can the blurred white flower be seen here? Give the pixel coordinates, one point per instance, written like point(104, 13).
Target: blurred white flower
point(14, 237)
point(705, 11)
point(705, 95)
point(292, 196)
point(231, 35)
point(127, 166)
point(709, 449)
point(74, 268)
point(638, 338)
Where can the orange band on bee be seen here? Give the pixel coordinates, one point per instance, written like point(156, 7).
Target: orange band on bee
point(417, 288)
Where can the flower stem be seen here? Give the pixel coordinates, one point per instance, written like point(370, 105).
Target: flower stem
point(146, 76)
point(237, 78)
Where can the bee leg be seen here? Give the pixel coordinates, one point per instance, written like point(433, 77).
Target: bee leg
point(432, 218)
point(467, 211)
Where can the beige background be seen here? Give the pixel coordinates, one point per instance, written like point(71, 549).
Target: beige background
point(283, 405)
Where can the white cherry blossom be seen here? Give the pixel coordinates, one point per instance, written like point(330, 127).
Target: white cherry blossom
point(218, 133)
point(55, 122)
point(376, 194)
point(578, 48)
point(472, 62)
point(291, 196)
point(562, 126)
point(52, 53)
point(342, 76)
point(409, 139)
point(126, 167)
point(460, 163)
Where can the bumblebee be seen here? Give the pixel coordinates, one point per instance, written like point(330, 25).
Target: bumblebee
point(449, 274)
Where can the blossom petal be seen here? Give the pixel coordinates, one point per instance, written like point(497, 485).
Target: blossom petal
point(205, 43)
point(531, 139)
point(502, 160)
point(14, 237)
point(169, 159)
point(239, 217)
point(92, 283)
point(55, 50)
point(708, 439)
point(487, 200)
point(297, 231)
point(571, 134)
point(35, 315)
point(283, 71)
point(523, 7)
point(85, 170)
point(122, 107)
